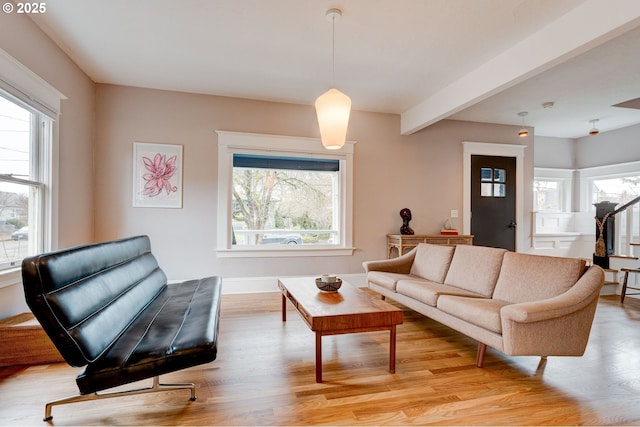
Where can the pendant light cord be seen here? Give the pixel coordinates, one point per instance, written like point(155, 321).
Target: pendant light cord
point(333, 51)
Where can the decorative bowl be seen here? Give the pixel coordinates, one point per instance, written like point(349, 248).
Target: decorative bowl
point(328, 286)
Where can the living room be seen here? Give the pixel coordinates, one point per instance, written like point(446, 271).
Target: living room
point(99, 122)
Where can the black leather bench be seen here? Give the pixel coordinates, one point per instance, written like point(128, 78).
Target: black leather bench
point(108, 307)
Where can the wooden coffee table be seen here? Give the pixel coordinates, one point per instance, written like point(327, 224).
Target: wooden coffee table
point(347, 311)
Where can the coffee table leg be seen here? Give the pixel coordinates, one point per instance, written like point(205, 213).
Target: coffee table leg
point(284, 308)
point(392, 349)
point(318, 357)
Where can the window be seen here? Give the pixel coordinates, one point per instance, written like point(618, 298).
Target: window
point(552, 190)
point(493, 182)
point(547, 195)
point(283, 196)
point(616, 190)
point(25, 135)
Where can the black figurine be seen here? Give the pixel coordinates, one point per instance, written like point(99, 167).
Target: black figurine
point(406, 217)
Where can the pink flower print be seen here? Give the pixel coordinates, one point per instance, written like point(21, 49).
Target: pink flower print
point(161, 171)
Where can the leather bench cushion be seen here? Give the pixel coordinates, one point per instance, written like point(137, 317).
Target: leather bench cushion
point(526, 278)
point(475, 268)
point(431, 262)
point(428, 292)
point(86, 295)
point(177, 330)
point(483, 312)
point(385, 279)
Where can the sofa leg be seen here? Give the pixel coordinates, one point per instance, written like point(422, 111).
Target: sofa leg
point(543, 361)
point(482, 349)
point(94, 396)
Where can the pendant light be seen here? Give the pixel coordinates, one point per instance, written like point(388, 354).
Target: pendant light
point(333, 107)
point(594, 131)
point(523, 132)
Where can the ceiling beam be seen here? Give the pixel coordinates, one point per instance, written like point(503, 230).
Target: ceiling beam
point(592, 23)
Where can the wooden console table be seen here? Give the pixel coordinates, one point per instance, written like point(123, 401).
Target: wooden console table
point(400, 244)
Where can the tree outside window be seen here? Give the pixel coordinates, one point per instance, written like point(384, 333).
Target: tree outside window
point(285, 200)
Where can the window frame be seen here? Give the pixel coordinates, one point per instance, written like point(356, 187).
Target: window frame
point(588, 175)
point(230, 143)
point(564, 178)
point(30, 91)
point(39, 160)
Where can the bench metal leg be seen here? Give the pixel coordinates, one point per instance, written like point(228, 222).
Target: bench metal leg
point(156, 387)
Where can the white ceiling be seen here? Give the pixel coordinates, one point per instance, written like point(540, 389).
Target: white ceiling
point(478, 60)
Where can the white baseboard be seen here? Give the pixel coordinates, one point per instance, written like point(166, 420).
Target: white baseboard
point(248, 285)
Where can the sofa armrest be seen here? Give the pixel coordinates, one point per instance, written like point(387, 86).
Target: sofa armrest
point(579, 296)
point(557, 326)
point(401, 264)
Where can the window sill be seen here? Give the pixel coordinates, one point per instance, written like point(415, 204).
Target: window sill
point(10, 277)
point(284, 252)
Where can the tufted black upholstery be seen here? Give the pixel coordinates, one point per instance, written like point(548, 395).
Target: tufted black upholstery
point(108, 307)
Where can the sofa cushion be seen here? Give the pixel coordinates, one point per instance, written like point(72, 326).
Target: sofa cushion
point(432, 261)
point(526, 278)
point(475, 268)
point(385, 279)
point(428, 292)
point(483, 312)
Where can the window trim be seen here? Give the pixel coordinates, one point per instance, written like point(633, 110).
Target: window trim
point(588, 175)
point(230, 143)
point(565, 178)
point(36, 94)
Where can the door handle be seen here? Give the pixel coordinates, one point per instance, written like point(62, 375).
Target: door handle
point(512, 225)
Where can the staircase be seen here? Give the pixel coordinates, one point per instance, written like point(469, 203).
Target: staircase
point(611, 282)
point(621, 242)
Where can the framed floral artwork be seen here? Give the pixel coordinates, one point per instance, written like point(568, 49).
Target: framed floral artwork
point(157, 175)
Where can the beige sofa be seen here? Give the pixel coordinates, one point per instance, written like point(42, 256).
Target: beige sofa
point(519, 304)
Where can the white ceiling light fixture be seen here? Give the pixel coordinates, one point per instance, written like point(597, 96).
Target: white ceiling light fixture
point(333, 107)
point(594, 131)
point(523, 132)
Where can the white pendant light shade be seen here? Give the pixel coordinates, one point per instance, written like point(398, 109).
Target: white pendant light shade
point(333, 108)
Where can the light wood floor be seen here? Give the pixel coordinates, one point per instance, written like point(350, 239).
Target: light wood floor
point(264, 375)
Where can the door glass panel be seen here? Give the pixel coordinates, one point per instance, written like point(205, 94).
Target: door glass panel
point(493, 182)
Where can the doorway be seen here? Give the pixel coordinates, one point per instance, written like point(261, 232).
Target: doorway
point(470, 149)
point(493, 201)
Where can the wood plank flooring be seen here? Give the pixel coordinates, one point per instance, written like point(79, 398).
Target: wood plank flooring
point(265, 375)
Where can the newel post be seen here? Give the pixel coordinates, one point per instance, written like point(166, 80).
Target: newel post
point(605, 233)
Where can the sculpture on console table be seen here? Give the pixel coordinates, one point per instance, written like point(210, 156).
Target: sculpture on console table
point(406, 217)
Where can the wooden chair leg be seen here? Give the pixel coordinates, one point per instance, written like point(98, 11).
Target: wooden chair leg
point(624, 286)
point(482, 349)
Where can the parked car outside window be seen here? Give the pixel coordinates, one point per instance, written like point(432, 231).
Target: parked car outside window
point(285, 239)
point(21, 234)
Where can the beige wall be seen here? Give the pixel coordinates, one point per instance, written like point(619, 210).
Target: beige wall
point(24, 41)
point(557, 153)
point(422, 171)
point(609, 148)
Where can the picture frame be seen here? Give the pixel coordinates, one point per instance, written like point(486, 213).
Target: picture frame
point(157, 175)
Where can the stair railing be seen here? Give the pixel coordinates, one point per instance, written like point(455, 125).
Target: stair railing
point(624, 238)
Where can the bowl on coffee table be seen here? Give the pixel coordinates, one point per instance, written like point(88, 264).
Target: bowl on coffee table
point(328, 283)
